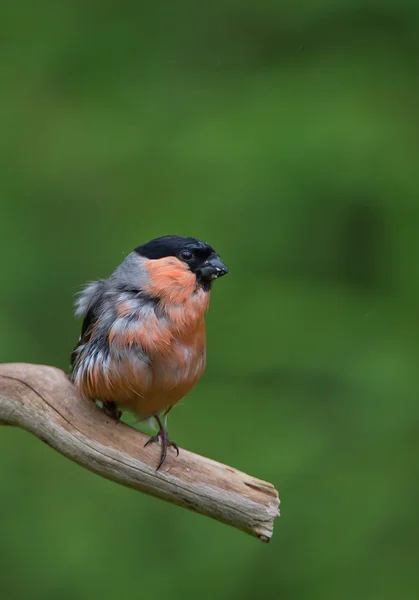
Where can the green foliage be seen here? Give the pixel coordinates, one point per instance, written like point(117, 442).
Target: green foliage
point(286, 136)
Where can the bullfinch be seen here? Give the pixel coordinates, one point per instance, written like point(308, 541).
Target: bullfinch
point(143, 343)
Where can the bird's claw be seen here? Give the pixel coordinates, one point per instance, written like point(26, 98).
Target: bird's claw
point(110, 409)
point(162, 436)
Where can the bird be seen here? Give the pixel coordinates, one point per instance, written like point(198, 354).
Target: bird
point(142, 346)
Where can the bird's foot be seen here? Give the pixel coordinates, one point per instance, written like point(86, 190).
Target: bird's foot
point(110, 409)
point(163, 437)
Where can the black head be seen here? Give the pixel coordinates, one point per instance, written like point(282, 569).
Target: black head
point(200, 257)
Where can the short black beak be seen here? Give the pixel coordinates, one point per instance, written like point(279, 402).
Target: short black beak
point(213, 268)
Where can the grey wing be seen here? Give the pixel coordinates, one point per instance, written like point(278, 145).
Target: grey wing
point(89, 323)
point(87, 305)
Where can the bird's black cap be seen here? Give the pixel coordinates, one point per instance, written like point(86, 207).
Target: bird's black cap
point(172, 245)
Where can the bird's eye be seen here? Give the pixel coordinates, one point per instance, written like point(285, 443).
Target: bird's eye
point(186, 254)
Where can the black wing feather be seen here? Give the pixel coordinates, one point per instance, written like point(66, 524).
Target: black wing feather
point(89, 323)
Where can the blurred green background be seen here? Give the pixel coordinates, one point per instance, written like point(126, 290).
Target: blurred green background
point(286, 135)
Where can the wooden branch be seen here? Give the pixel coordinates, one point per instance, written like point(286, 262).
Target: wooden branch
point(42, 400)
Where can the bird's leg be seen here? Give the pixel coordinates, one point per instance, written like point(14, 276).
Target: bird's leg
point(110, 409)
point(163, 436)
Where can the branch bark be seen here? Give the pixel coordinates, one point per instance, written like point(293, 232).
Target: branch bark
point(43, 401)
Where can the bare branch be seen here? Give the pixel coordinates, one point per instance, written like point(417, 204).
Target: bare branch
point(42, 400)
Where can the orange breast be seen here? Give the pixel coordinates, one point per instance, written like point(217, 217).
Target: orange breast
point(174, 373)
